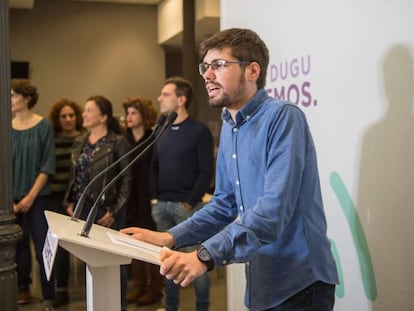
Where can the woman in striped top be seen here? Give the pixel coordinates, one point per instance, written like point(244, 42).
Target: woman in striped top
point(66, 118)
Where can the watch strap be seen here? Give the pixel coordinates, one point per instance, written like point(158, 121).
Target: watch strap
point(205, 257)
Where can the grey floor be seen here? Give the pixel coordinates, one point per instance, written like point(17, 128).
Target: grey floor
point(218, 292)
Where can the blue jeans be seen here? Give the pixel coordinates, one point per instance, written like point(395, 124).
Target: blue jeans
point(317, 297)
point(166, 215)
point(33, 223)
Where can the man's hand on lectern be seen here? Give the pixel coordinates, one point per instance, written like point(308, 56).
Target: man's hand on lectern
point(153, 237)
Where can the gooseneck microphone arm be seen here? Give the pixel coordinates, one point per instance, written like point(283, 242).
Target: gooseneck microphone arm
point(79, 205)
point(92, 213)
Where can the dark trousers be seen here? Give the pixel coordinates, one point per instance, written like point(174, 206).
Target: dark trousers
point(23, 255)
point(62, 266)
point(34, 223)
point(62, 260)
point(317, 297)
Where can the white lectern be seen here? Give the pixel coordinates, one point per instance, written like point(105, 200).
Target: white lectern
point(103, 251)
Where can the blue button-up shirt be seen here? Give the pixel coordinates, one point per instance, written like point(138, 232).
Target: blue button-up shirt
point(267, 207)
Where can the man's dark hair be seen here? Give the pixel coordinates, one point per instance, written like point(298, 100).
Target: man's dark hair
point(183, 87)
point(245, 45)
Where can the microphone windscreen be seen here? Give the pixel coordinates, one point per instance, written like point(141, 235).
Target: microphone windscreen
point(171, 117)
point(161, 120)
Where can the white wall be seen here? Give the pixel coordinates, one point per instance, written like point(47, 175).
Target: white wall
point(351, 71)
point(170, 19)
point(79, 49)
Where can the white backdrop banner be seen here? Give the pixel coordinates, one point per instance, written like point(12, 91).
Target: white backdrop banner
point(349, 66)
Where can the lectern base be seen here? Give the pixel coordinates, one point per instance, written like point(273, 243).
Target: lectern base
point(103, 288)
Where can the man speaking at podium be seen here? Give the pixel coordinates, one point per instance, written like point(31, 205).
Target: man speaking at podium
point(267, 209)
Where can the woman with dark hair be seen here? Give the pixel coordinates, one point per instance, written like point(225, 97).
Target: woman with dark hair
point(66, 118)
point(33, 163)
point(91, 154)
point(140, 115)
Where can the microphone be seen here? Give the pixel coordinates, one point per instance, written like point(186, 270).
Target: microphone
point(92, 213)
point(79, 205)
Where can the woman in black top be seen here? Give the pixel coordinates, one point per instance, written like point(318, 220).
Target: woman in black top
point(141, 117)
point(91, 154)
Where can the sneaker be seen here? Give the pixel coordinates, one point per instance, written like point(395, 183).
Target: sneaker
point(24, 297)
point(61, 298)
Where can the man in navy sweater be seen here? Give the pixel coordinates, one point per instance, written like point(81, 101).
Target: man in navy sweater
point(181, 172)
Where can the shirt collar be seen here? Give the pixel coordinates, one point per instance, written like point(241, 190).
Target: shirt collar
point(247, 111)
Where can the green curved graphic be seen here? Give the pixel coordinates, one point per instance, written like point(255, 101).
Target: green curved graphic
point(340, 288)
point(358, 236)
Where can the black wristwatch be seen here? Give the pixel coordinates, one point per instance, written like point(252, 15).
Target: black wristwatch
point(205, 257)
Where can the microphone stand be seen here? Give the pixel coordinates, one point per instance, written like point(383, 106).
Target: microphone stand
point(79, 204)
point(92, 213)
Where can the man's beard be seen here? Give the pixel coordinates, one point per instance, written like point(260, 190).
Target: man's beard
point(225, 100)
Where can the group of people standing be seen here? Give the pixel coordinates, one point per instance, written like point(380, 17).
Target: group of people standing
point(54, 160)
point(266, 210)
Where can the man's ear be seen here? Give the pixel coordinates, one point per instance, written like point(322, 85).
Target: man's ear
point(253, 71)
point(181, 100)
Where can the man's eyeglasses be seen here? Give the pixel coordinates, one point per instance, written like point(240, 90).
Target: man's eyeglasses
point(217, 64)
